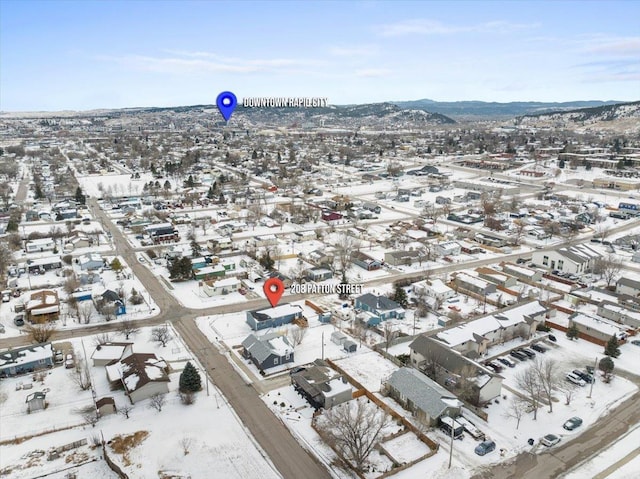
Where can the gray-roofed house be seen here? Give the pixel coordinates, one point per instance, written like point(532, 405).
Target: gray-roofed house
point(426, 399)
point(322, 386)
point(26, 359)
point(267, 351)
point(628, 286)
point(378, 308)
point(435, 357)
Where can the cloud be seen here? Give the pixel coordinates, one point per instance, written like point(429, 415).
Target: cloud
point(176, 61)
point(373, 72)
point(617, 46)
point(433, 27)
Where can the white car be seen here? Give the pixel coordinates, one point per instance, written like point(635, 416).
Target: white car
point(550, 440)
point(572, 378)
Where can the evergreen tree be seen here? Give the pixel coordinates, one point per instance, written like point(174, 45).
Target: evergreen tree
point(266, 261)
point(400, 296)
point(196, 250)
point(190, 379)
point(37, 194)
point(116, 265)
point(606, 366)
point(80, 198)
point(572, 332)
point(612, 348)
point(167, 185)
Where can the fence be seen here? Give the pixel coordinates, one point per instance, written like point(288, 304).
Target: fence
point(112, 465)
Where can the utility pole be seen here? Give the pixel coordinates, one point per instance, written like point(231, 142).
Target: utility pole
point(593, 377)
point(451, 441)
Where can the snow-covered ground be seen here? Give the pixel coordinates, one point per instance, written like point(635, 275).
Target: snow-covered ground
point(219, 446)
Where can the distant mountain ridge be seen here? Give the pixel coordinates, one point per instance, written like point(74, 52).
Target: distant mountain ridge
point(477, 110)
point(605, 113)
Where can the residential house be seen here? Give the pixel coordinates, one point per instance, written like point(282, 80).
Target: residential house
point(474, 284)
point(141, 375)
point(272, 317)
point(40, 245)
point(522, 272)
point(106, 406)
point(267, 351)
point(428, 354)
point(321, 386)
point(497, 277)
point(598, 330)
point(318, 274)
point(405, 258)
point(619, 314)
point(208, 273)
point(425, 398)
point(111, 298)
point(109, 352)
point(26, 359)
point(90, 262)
point(474, 338)
point(376, 309)
point(365, 261)
point(221, 286)
point(628, 286)
point(448, 248)
point(434, 288)
point(41, 265)
point(321, 257)
point(570, 259)
point(43, 305)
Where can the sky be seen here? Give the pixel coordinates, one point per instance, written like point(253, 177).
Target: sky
point(79, 55)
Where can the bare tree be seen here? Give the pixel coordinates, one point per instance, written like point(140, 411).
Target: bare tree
point(345, 246)
point(157, 401)
point(529, 383)
point(101, 338)
point(161, 334)
point(71, 284)
point(354, 428)
point(185, 444)
point(81, 375)
point(608, 268)
point(85, 312)
point(389, 334)
point(296, 334)
point(41, 332)
point(568, 390)
point(88, 414)
point(516, 409)
point(546, 369)
point(128, 328)
point(125, 410)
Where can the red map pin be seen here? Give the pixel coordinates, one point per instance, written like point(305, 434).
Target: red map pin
point(273, 289)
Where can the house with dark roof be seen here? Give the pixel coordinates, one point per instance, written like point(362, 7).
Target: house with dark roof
point(26, 360)
point(267, 351)
point(405, 258)
point(426, 399)
point(376, 309)
point(272, 317)
point(321, 386)
point(141, 375)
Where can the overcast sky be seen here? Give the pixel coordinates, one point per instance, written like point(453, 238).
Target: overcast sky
point(80, 55)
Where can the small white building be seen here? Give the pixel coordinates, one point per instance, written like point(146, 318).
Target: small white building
point(40, 245)
point(571, 259)
point(434, 289)
point(220, 287)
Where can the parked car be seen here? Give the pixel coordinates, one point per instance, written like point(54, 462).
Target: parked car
point(528, 352)
point(572, 423)
point(58, 357)
point(552, 338)
point(538, 348)
point(518, 355)
point(572, 378)
point(507, 362)
point(2, 328)
point(494, 365)
point(19, 319)
point(586, 377)
point(550, 440)
point(69, 362)
point(590, 369)
point(636, 342)
point(485, 447)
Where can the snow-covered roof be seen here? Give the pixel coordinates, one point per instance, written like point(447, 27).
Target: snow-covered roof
point(280, 311)
point(26, 355)
point(603, 326)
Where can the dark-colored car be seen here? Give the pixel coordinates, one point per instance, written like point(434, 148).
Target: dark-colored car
point(528, 352)
point(586, 377)
point(497, 367)
point(538, 348)
point(635, 342)
point(518, 355)
point(590, 369)
point(507, 362)
point(572, 423)
point(19, 320)
point(552, 338)
point(485, 447)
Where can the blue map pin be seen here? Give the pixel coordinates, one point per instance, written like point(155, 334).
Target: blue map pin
point(226, 102)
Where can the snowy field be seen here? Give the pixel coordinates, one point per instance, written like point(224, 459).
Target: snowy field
point(217, 447)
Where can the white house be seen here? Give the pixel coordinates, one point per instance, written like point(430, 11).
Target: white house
point(448, 248)
point(570, 259)
point(220, 287)
point(40, 245)
point(434, 289)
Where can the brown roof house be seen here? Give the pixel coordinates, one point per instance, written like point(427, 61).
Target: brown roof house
point(141, 375)
point(43, 306)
